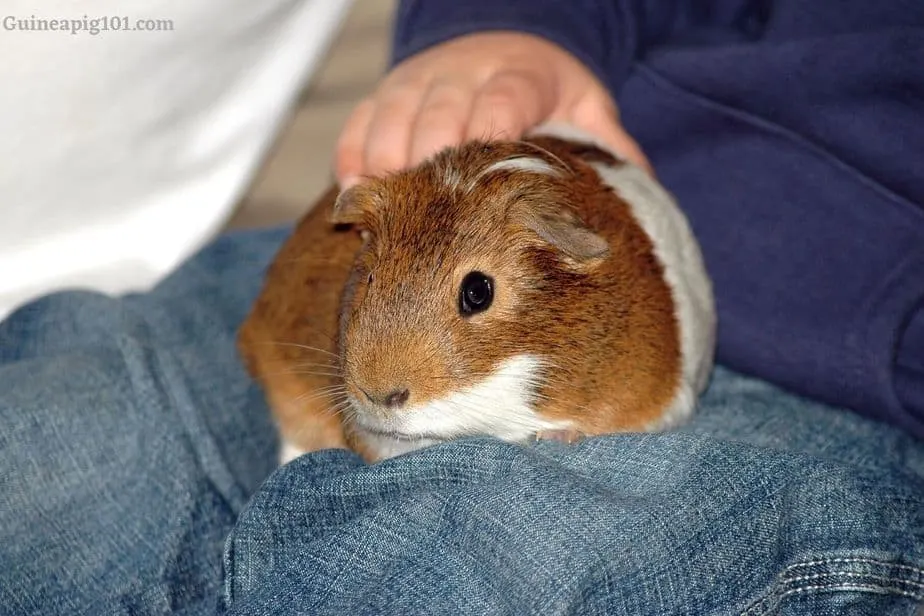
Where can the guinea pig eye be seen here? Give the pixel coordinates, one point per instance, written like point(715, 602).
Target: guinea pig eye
point(369, 278)
point(475, 293)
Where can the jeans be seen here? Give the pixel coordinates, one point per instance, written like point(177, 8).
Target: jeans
point(137, 476)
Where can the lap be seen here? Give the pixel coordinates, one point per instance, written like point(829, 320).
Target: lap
point(134, 444)
point(763, 504)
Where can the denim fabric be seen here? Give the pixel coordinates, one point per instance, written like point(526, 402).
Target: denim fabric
point(136, 477)
point(130, 440)
point(764, 505)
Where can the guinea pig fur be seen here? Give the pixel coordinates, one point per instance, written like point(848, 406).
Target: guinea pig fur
point(515, 289)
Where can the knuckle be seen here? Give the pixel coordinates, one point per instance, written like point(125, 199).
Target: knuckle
point(452, 92)
point(499, 98)
point(438, 121)
point(400, 95)
point(518, 82)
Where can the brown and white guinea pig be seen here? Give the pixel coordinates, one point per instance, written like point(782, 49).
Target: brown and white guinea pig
point(519, 289)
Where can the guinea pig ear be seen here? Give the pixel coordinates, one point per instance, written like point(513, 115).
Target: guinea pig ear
point(564, 231)
point(351, 206)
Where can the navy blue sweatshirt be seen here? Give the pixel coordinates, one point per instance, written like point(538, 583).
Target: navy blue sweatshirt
point(792, 134)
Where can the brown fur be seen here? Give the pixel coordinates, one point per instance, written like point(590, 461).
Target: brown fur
point(605, 322)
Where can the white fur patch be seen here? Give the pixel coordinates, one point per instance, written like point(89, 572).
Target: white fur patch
point(386, 446)
point(501, 405)
point(685, 272)
point(525, 164)
point(288, 452)
point(451, 177)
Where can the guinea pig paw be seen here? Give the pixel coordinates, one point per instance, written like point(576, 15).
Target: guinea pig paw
point(562, 436)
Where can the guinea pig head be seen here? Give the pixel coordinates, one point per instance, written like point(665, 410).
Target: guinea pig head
point(461, 303)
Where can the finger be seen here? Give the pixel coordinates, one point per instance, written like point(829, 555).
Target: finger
point(441, 120)
point(617, 138)
point(351, 144)
point(505, 107)
point(388, 140)
point(598, 115)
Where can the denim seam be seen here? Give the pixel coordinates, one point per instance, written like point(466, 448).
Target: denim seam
point(866, 561)
point(913, 578)
point(862, 587)
point(849, 574)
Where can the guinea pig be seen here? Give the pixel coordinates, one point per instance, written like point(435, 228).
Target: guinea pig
point(520, 289)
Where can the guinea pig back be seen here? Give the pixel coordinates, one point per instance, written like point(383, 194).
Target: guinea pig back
point(509, 288)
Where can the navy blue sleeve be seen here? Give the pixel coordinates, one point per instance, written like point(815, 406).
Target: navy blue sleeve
point(601, 34)
point(607, 36)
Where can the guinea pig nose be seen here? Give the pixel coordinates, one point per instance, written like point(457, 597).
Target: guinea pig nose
point(397, 398)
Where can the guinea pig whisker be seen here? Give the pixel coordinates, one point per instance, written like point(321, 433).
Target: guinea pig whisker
point(349, 413)
point(337, 408)
point(317, 364)
point(302, 366)
point(307, 348)
point(320, 364)
point(334, 388)
point(319, 331)
point(330, 373)
point(324, 392)
point(330, 388)
point(334, 407)
point(306, 259)
point(295, 371)
point(327, 398)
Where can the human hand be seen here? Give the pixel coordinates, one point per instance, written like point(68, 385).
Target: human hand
point(485, 85)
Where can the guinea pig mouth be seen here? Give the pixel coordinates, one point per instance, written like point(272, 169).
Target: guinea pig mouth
point(371, 420)
point(371, 423)
point(394, 434)
point(400, 436)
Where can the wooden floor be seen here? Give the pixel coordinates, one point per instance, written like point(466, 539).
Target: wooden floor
point(299, 167)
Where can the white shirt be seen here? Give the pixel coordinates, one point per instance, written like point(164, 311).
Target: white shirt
point(123, 152)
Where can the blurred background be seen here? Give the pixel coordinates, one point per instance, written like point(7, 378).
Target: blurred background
point(299, 167)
